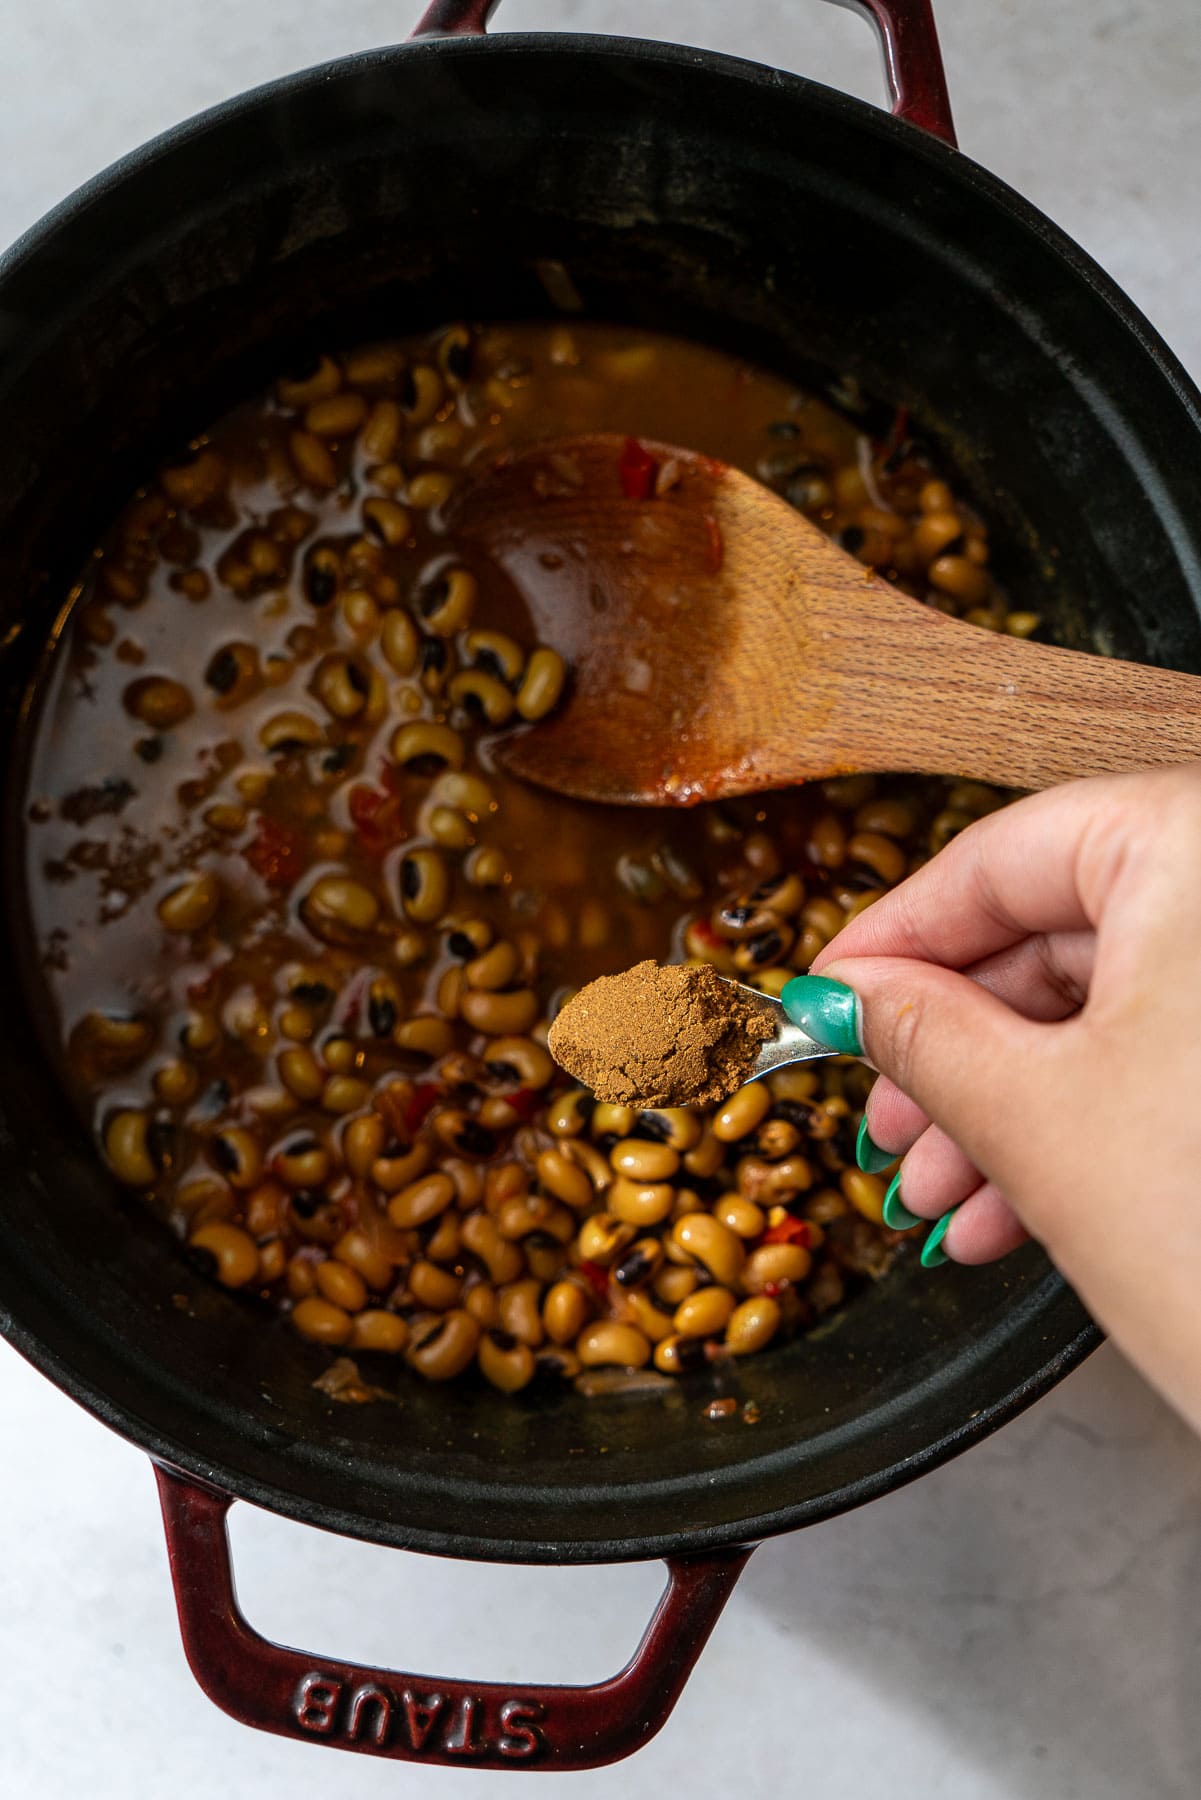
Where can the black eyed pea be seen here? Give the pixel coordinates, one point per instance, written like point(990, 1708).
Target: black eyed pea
point(568, 1113)
point(238, 1155)
point(386, 520)
point(704, 1313)
point(381, 433)
point(519, 1313)
point(674, 1282)
point(497, 652)
point(471, 795)
point(564, 1311)
point(192, 905)
point(640, 1309)
point(486, 867)
point(707, 1241)
point(311, 460)
point(442, 1348)
point(544, 1258)
point(447, 603)
point(678, 1354)
point(435, 1289)
point(878, 853)
point(341, 685)
point(502, 1259)
point(559, 1176)
point(300, 1072)
point(425, 1033)
point(424, 885)
point(481, 1302)
point(640, 1203)
point(321, 1321)
point(158, 702)
point(287, 732)
point(784, 894)
point(519, 1062)
point(338, 1053)
point(176, 1083)
point(444, 1245)
point(378, 1330)
point(638, 1264)
point(752, 1325)
point(602, 1238)
point(302, 1163)
point(740, 1214)
point(557, 1363)
point(505, 1362)
point(428, 745)
point(359, 613)
point(595, 1166)
point(192, 483)
point(641, 1160)
point(364, 1255)
point(362, 1142)
point(429, 488)
point(450, 828)
point(742, 1113)
point(454, 355)
point(127, 1147)
point(422, 1200)
point(611, 1343)
point(762, 951)
point(542, 684)
point(401, 645)
point(525, 1213)
point(500, 1015)
point(337, 416)
point(344, 1094)
point(706, 1158)
point(339, 910)
point(608, 1119)
point(421, 393)
point(865, 1193)
point(317, 383)
point(496, 967)
point(483, 694)
point(773, 1265)
point(343, 1285)
point(678, 1126)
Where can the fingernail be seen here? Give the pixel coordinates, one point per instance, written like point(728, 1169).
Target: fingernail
point(827, 1010)
point(868, 1154)
point(933, 1254)
point(896, 1214)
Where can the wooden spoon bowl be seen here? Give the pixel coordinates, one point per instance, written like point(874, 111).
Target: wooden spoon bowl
point(721, 644)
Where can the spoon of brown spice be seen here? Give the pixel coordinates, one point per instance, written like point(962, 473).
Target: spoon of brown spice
point(720, 644)
point(674, 1035)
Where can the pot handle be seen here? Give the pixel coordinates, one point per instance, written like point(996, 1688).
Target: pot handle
point(425, 1718)
point(912, 59)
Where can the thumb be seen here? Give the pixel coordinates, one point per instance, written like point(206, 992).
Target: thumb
point(968, 1061)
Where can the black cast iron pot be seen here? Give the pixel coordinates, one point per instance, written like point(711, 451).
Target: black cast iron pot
point(719, 199)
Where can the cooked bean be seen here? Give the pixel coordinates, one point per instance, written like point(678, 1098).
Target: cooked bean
point(447, 603)
point(704, 1313)
point(302, 1163)
point(879, 853)
point(500, 1015)
point(865, 1193)
point(564, 1311)
point(484, 693)
point(486, 867)
point(338, 415)
point(640, 1203)
point(377, 1330)
point(424, 885)
point(192, 905)
point(435, 1288)
point(338, 909)
point(312, 460)
point(568, 1114)
point(321, 1321)
point(638, 1264)
point(421, 394)
point(742, 1216)
point(158, 702)
point(421, 1201)
point(674, 1283)
point(520, 1060)
point(519, 1311)
point(542, 685)
point(364, 1255)
point(706, 1240)
point(442, 1348)
point(424, 742)
point(564, 1179)
point(742, 1113)
point(504, 1361)
point(602, 1238)
point(679, 1355)
point(429, 1035)
point(481, 1302)
point(344, 1094)
point(501, 1258)
point(238, 1155)
point(300, 1073)
point(610, 1342)
point(497, 652)
point(960, 577)
point(401, 646)
point(752, 1325)
point(644, 1162)
point(342, 1285)
point(429, 489)
point(771, 1265)
point(234, 1252)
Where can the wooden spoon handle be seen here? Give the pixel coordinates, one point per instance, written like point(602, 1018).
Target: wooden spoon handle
point(953, 699)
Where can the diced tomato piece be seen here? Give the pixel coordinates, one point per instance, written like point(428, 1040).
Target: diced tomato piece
point(789, 1231)
point(426, 1096)
point(596, 1277)
point(376, 818)
point(637, 469)
point(276, 853)
point(525, 1103)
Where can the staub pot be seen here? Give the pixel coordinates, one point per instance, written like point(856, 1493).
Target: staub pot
point(726, 201)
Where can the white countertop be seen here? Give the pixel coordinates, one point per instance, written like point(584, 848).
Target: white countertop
point(1021, 1625)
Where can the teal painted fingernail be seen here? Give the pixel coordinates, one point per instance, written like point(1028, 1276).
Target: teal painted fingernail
point(896, 1214)
point(933, 1254)
point(868, 1154)
point(827, 1010)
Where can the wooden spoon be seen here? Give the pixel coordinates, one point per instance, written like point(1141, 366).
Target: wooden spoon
point(719, 643)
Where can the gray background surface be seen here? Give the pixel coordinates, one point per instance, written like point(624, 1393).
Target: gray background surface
point(1022, 1625)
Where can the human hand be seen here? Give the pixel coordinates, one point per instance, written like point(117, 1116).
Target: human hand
point(1032, 998)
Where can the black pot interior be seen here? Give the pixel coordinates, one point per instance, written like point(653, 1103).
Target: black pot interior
point(716, 199)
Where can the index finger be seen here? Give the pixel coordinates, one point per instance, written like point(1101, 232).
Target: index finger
point(1040, 865)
